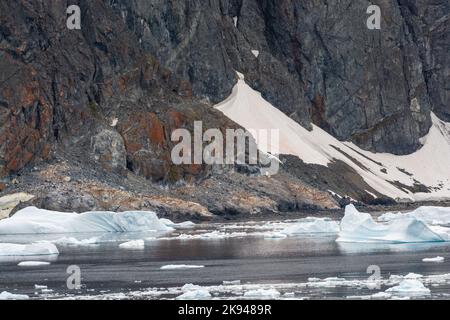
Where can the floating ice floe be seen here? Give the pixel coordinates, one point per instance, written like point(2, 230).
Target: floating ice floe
point(265, 294)
point(133, 245)
point(70, 241)
point(10, 296)
point(312, 225)
point(232, 283)
point(214, 235)
point(429, 215)
point(33, 263)
point(34, 249)
point(360, 227)
point(181, 267)
point(409, 287)
point(200, 294)
point(32, 220)
point(435, 260)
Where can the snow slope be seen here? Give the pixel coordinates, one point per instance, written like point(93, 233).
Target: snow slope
point(247, 107)
point(32, 220)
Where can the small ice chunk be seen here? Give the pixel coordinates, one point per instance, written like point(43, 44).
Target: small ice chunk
point(232, 283)
point(409, 287)
point(201, 294)
point(190, 287)
point(70, 241)
point(10, 296)
point(381, 295)
point(40, 287)
point(262, 294)
point(180, 267)
point(435, 260)
point(133, 245)
point(33, 263)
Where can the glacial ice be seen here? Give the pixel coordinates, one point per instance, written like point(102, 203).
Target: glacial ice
point(360, 227)
point(429, 215)
point(32, 220)
point(34, 249)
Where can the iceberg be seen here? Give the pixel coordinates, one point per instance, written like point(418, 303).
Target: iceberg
point(360, 227)
point(429, 215)
point(32, 220)
point(312, 225)
point(34, 249)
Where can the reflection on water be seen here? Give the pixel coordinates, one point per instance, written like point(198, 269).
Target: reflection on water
point(347, 248)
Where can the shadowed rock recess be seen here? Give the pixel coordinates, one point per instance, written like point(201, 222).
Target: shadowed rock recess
point(88, 113)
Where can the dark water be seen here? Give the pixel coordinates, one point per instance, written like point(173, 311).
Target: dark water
point(107, 269)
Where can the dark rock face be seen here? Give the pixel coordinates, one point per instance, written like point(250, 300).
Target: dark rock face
point(153, 66)
point(318, 62)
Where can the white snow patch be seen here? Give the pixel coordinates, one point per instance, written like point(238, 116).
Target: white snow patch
point(133, 245)
point(32, 220)
point(360, 227)
point(255, 53)
point(114, 122)
point(34, 249)
point(248, 108)
point(33, 263)
point(235, 21)
point(181, 267)
point(10, 201)
point(435, 260)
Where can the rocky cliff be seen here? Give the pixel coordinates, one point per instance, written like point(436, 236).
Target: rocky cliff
point(108, 96)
